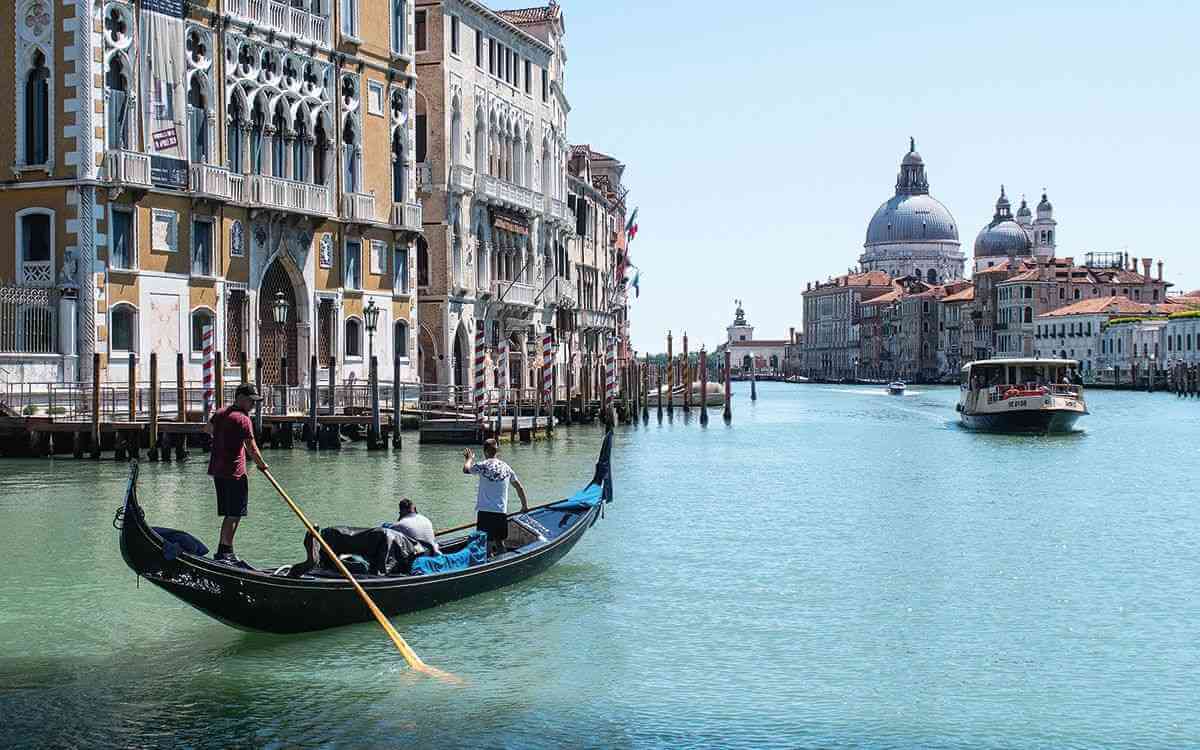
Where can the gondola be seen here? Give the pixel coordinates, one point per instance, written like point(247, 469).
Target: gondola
point(269, 600)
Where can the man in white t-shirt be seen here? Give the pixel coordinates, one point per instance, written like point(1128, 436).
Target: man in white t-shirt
point(491, 502)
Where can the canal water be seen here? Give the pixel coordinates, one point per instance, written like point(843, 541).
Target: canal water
point(837, 568)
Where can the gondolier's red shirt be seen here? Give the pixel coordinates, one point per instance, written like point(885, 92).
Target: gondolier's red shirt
point(231, 430)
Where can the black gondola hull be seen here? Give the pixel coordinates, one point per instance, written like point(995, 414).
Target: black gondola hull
point(261, 601)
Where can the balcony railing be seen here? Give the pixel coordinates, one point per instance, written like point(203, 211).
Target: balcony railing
point(557, 209)
point(462, 179)
point(595, 319)
point(561, 293)
point(211, 182)
point(237, 188)
point(518, 294)
point(358, 207)
point(407, 216)
point(127, 168)
point(539, 203)
point(283, 19)
point(424, 172)
point(288, 195)
point(495, 190)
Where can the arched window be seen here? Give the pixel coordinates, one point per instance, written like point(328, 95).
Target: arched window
point(35, 247)
point(398, 165)
point(278, 130)
point(300, 147)
point(350, 157)
point(527, 177)
point(118, 103)
point(198, 120)
point(422, 263)
point(202, 318)
point(931, 276)
point(353, 337)
point(545, 186)
point(233, 135)
point(400, 339)
point(37, 112)
point(481, 144)
point(320, 155)
point(1029, 315)
point(456, 135)
point(257, 122)
point(123, 328)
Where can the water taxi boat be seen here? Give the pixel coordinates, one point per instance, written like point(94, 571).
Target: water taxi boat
point(1020, 395)
point(715, 397)
point(896, 388)
point(278, 600)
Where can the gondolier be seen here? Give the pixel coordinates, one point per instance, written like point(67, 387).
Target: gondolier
point(491, 501)
point(232, 436)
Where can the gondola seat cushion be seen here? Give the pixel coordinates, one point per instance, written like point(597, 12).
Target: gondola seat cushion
point(475, 553)
point(179, 541)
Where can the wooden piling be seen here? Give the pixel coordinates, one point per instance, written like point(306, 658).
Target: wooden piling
point(516, 413)
point(313, 399)
point(245, 367)
point(132, 387)
point(180, 390)
point(283, 384)
point(728, 390)
point(258, 420)
point(153, 452)
point(96, 405)
point(670, 376)
point(753, 385)
point(553, 399)
point(646, 391)
point(658, 389)
point(375, 435)
point(703, 387)
point(397, 403)
point(687, 380)
point(218, 380)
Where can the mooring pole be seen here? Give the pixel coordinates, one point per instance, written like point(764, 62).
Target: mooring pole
point(397, 403)
point(245, 368)
point(687, 379)
point(658, 386)
point(313, 398)
point(728, 390)
point(753, 389)
point(219, 378)
point(670, 375)
point(375, 439)
point(646, 391)
point(703, 387)
point(96, 405)
point(258, 419)
point(153, 455)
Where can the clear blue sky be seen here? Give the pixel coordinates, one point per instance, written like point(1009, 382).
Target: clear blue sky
point(760, 137)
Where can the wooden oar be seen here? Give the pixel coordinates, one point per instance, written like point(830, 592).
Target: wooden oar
point(471, 525)
point(405, 650)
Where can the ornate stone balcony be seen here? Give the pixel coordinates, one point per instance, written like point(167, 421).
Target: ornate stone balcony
point(208, 181)
point(462, 179)
point(503, 193)
point(283, 19)
point(359, 207)
point(594, 320)
point(561, 293)
point(289, 195)
point(127, 168)
point(407, 216)
point(520, 294)
point(557, 210)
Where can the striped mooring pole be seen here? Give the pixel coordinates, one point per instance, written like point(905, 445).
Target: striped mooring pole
point(480, 378)
point(209, 352)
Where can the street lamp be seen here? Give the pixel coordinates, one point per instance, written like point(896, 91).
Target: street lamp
point(279, 311)
point(371, 318)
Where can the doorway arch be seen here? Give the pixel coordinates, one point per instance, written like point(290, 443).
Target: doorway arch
point(427, 356)
point(274, 341)
point(461, 367)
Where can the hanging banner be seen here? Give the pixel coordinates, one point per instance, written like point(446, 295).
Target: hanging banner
point(164, 95)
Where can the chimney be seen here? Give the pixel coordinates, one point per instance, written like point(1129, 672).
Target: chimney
point(1160, 270)
point(792, 335)
point(1146, 263)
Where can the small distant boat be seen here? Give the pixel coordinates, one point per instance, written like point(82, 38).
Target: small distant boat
point(896, 387)
point(1020, 395)
point(716, 395)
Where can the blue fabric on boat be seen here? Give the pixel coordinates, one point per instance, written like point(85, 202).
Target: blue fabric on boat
point(586, 498)
point(475, 553)
point(179, 541)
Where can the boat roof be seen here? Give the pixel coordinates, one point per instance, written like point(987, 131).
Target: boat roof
point(1022, 361)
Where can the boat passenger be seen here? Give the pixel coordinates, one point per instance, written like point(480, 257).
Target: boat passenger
point(491, 501)
point(232, 437)
point(416, 527)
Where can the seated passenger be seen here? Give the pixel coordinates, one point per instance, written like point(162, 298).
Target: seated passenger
point(415, 526)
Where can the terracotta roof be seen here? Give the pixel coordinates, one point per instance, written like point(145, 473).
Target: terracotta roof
point(964, 295)
point(1114, 306)
point(885, 298)
point(529, 15)
point(1002, 266)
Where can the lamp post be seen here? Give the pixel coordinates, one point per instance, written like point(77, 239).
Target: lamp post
point(279, 311)
point(371, 320)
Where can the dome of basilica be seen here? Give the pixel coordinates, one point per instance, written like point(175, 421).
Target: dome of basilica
point(1003, 236)
point(912, 214)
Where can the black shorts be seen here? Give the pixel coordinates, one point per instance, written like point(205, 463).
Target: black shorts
point(232, 495)
point(495, 524)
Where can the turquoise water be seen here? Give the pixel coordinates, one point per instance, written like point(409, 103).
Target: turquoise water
point(837, 568)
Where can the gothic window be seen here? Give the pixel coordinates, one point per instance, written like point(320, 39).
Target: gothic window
point(299, 147)
point(397, 166)
point(350, 157)
point(117, 83)
point(257, 122)
point(198, 120)
point(35, 243)
point(320, 155)
point(279, 129)
point(481, 145)
point(37, 111)
point(422, 263)
point(233, 135)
